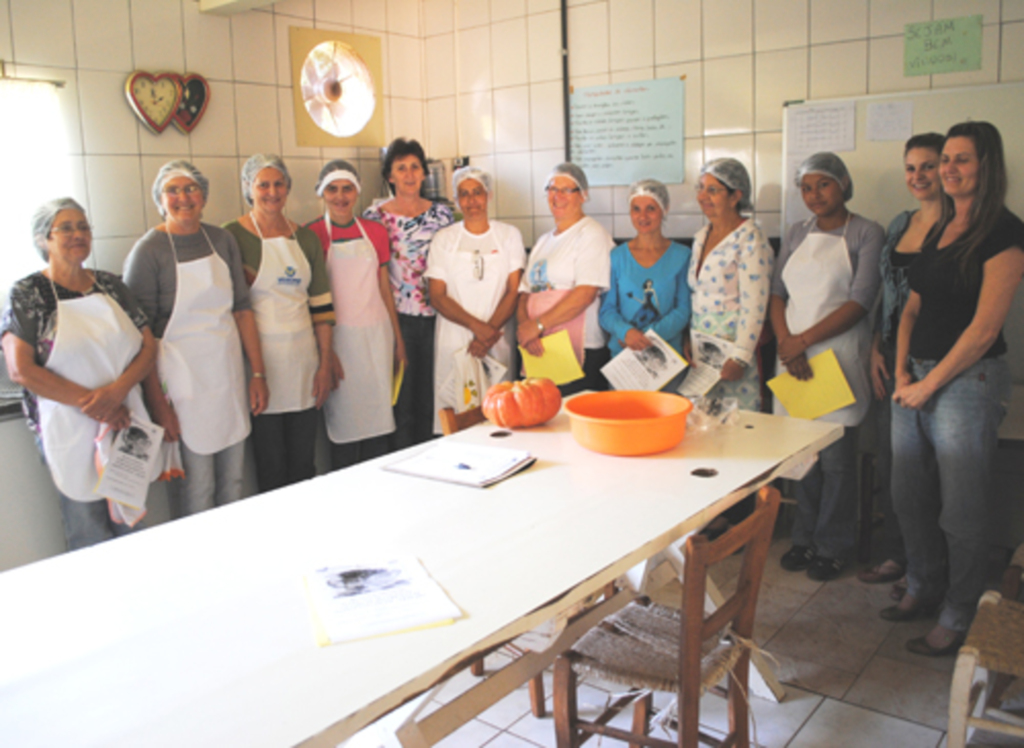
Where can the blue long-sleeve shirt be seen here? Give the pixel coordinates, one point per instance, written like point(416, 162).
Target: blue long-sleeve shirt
point(655, 298)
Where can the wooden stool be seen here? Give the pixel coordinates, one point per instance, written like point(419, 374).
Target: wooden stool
point(994, 644)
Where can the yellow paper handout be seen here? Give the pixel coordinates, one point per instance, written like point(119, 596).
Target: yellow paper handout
point(558, 363)
point(827, 391)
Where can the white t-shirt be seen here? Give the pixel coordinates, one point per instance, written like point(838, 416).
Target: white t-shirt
point(579, 256)
point(477, 285)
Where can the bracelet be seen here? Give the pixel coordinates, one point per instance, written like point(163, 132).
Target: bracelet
point(540, 326)
point(258, 375)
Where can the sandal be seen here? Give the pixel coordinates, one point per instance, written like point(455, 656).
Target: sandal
point(898, 590)
point(887, 571)
point(917, 609)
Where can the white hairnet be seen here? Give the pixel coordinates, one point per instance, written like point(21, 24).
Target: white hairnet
point(830, 165)
point(257, 163)
point(178, 168)
point(471, 172)
point(733, 175)
point(43, 218)
point(573, 172)
point(651, 188)
point(337, 169)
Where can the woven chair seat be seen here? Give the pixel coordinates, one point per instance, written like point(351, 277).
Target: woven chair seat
point(639, 647)
point(997, 637)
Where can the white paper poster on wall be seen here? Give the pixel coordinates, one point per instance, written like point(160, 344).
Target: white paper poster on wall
point(890, 120)
point(627, 131)
point(811, 129)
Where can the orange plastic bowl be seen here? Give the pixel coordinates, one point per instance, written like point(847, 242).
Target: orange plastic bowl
point(628, 423)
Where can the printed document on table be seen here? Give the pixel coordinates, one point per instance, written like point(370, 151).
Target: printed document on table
point(466, 464)
point(709, 355)
point(827, 391)
point(649, 369)
point(558, 363)
point(129, 459)
point(372, 598)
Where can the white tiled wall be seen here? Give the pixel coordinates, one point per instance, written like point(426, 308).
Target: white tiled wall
point(478, 78)
point(94, 45)
point(742, 59)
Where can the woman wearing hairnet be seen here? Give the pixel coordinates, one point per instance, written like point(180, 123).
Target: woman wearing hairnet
point(411, 221)
point(825, 282)
point(78, 343)
point(291, 298)
point(730, 276)
point(474, 270)
point(188, 278)
point(567, 269)
point(648, 288)
point(366, 337)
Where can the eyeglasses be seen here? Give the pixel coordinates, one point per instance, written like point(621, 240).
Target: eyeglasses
point(68, 229)
point(188, 189)
point(478, 265)
point(713, 190)
point(552, 190)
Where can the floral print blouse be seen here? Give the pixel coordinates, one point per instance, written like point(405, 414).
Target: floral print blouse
point(410, 241)
point(729, 297)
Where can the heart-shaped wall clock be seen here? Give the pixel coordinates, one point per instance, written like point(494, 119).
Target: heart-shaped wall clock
point(195, 95)
point(155, 98)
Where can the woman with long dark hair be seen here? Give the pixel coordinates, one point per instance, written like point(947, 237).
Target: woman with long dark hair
point(952, 387)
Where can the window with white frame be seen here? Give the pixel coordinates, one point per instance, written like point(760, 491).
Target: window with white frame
point(34, 168)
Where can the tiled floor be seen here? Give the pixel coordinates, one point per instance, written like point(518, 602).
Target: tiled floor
point(849, 681)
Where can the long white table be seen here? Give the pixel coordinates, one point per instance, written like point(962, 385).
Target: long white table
point(197, 633)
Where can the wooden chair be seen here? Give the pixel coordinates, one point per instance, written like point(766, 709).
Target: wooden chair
point(452, 423)
point(995, 645)
point(649, 646)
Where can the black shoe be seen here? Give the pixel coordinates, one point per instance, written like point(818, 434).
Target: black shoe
point(824, 569)
point(797, 558)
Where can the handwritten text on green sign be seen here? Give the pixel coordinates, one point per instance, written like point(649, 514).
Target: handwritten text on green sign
point(947, 46)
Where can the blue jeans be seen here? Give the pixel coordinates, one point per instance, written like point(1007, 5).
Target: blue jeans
point(414, 411)
point(892, 538)
point(87, 522)
point(826, 501)
point(210, 480)
point(942, 485)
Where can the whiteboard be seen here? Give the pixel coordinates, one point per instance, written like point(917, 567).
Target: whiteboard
point(879, 191)
point(623, 132)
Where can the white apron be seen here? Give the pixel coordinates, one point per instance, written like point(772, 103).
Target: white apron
point(821, 274)
point(200, 356)
point(477, 282)
point(94, 343)
point(363, 339)
point(280, 300)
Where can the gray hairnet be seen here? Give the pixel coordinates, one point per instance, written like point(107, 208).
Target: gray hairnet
point(651, 188)
point(733, 175)
point(830, 165)
point(42, 222)
point(178, 168)
point(573, 172)
point(471, 172)
point(257, 163)
point(339, 168)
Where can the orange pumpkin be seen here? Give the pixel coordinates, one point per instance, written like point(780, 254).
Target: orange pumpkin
point(527, 403)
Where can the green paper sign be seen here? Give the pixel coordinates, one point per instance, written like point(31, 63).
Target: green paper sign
point(947, 46)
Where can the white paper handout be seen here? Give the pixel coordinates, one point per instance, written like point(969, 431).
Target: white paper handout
point(469, 379)
point(467, 464)
point(709, 355)
point(128, 458)
point(649, 369)
point(363, 599)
